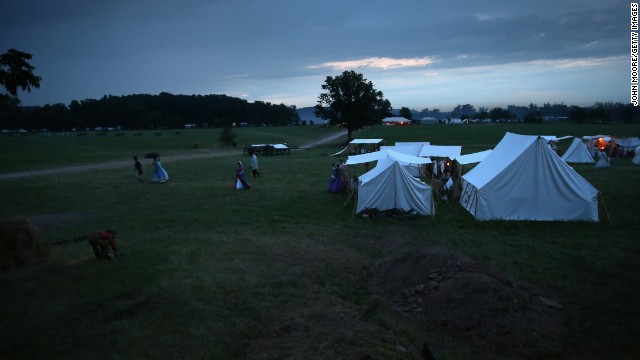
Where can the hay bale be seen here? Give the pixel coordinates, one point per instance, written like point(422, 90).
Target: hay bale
point(20, 244)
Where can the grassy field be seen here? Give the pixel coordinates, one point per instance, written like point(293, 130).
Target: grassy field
point(281, 271)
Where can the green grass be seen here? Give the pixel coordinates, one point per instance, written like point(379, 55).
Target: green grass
point(279, 271)
point(41, 151)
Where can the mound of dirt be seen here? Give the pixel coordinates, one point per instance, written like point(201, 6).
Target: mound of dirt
point(464, 303)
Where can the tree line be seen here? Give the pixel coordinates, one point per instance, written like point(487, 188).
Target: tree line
point(350, 101)
point(144, 111)
point(600, 112)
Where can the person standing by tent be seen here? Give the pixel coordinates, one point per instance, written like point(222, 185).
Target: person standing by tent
point(159, 174)
point(102, 241)
point(241, 179)
point(254, 164)
point(137, 168)
point(344, 175)
point(603, 161)
point(335, 183)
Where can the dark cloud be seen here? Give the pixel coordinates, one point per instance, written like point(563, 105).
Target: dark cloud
point(88, 49)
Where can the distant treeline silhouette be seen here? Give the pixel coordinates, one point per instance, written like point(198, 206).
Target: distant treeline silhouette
point(143, 111)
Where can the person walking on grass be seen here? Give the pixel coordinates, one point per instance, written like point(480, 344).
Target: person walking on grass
point(254, 164)
point(137, 168)
point(159, 174)
point(241, 179)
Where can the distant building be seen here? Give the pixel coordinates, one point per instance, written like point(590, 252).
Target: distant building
point(550, 118)
point(396, 120)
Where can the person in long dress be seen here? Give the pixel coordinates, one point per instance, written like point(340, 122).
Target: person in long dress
point(241, 179)
point(159, 175)
point(335, 183)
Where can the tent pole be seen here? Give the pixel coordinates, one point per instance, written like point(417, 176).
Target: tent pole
point(605, 208)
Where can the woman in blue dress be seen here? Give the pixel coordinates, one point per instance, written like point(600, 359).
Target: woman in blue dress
point(159, 175)
point(335, 183)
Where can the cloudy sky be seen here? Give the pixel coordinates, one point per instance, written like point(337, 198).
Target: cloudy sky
point(419, 53)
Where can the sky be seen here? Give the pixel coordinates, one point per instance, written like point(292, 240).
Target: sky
point(420, 53)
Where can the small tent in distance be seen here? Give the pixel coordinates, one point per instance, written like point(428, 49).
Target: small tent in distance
point(523, 179)
point(577, 153)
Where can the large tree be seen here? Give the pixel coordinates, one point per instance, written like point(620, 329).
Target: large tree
point(406, 113)
point(351, 101)
point(16, 72)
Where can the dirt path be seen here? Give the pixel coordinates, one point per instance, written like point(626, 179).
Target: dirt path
point(165, 159)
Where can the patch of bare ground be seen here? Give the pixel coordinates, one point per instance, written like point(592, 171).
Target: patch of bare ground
point(43, 221)
point(467, 305)
point(428, 305)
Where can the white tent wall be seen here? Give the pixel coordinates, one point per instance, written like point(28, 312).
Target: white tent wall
point(628, 143)
point(392, 187)
point(523, 179)
point(636, 157)
point(577, 153)
point(404, 159)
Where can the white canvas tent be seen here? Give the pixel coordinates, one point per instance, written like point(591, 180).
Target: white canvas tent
point(409, 148)
point(472, 158)
point(523, 179)
point(636, 157)
point(409, 162)
point(577, 153)
point(389, 186)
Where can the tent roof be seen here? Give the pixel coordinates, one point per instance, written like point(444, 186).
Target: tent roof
point(277, 146)
point(508, 149)
point(472, 158)
point(555, 138)
point(441, 151)
point(377, 155)
point(365, 141)
point(409, 148)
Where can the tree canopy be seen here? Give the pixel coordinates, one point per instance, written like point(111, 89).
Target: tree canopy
point(16, 72)
point(351, 101)
point(145, 111)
